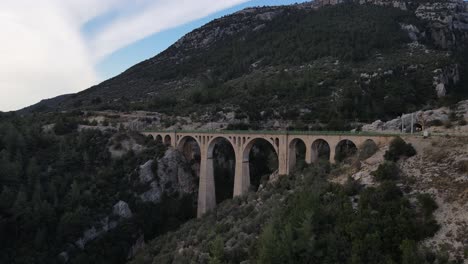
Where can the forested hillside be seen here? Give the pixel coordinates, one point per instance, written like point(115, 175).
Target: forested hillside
point(79, 184)
point(304, 218)
point(334, 65)
point(55, 184)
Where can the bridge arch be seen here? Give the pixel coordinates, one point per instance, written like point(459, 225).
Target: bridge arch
point(320, 150)
point(216, 140)
point(345, 149)
point(297, 151)
point(190, 147)
point(183, 140)
point(167, 140)
point(158, 139)
point(221, 158)
point(249, 143)
point(253, 175)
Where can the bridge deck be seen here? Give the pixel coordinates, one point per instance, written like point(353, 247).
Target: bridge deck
point(283, 132)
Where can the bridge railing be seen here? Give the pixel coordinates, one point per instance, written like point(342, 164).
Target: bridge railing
point(283, 132)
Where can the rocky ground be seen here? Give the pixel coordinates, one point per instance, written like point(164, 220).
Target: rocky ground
point(440, 169)
point(440, 120)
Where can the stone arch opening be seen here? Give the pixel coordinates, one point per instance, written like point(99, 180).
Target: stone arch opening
point(167, 140)
point(297, 152)
point(158, 139)
point(190, 148)
point(345, 151)
point(260, 160)
point(417, 127)
point(367, 149)
point(320, 150)
point(223, 156)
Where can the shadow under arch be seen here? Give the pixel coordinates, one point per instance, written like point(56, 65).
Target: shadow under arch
point(167, 140)
point(190, 148)
point(260, 160)
point(223, 157)
point(297, 152)
point(320, 150)
point(345, 149)
point(158, 139)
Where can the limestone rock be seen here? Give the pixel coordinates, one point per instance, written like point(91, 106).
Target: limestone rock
point(423, 118)
point(122, 209)
point(146, 174)
point(64, 257)
point(174, 177)
point(94, 232)
point(139, 244)
point(413, 32)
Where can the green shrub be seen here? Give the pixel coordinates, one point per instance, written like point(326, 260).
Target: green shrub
point(319, 224)
point(388, 171)
point(65, 126)
point(352, 187)
point(462, 166)
point(399, 148)
point(427, 203)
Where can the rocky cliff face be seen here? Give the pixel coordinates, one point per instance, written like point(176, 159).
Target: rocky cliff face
point(175, 177)
point(445, 25)
point(447, 20)
point(430, 120)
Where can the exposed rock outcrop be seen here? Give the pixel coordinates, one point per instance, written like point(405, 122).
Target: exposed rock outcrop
point(139, 244)
point(447, 20)
point(444, 78)
point(175, 177)
point(422, 119)
point(104, 226)
point(122, 209)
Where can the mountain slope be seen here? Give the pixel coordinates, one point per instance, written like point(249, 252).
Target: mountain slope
point(294, 60)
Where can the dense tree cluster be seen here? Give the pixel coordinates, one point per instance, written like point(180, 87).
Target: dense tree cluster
point(56, 183)
point(298, 50)
point(323, 224)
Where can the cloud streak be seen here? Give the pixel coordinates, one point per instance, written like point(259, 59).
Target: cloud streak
point(44, 52)
point(154, 17)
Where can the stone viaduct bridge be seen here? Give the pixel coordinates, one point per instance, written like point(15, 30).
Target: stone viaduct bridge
point(284, 144)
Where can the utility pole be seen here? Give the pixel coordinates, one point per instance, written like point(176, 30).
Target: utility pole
point(412, 126)
point(402, 125)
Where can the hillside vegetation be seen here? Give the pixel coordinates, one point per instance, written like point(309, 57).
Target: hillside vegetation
point(56, 185)
point(331, 66)
point(304, 218)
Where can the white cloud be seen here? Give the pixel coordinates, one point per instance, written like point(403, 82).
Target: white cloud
point(154, 17)
point(43, 52)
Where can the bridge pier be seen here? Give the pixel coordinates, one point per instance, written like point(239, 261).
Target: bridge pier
point(283, 153)
point(332, 153)
point(241, 176)
point(206, 188)
point(308, 155)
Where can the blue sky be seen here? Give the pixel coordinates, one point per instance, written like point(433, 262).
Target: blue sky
point(55, 47)
point(148, 47)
